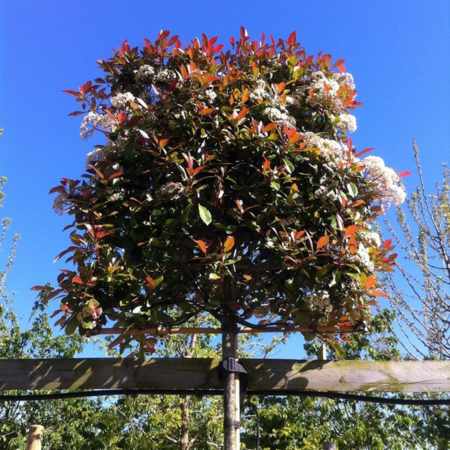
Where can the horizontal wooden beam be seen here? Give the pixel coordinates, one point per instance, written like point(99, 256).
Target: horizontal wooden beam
point(335, 329)
point(268, 375)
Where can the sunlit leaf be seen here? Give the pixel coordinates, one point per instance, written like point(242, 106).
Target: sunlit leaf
point(205, 215)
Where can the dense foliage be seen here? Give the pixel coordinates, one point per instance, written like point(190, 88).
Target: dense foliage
point(227, 185)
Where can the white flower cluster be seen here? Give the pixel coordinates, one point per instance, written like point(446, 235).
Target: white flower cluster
point(120, 101)
point(370, 237)
point(211, 95)
point(96, 155)
point(165, 75)
point(347, 122)
point(276, 110)
point(329, 148)
point(390, 187)
point(115, 194)
point(362, 257)
point(173, 190)
point(260, 92)
point(95, 121)
point(279, 114)
point(324, 192)
point(345, 79)
point(100, 154)
point(60, 203)
point(144, 74)
point(325, 90)
point(319, 302)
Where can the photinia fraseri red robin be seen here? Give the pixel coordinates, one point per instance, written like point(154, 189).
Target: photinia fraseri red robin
point(221, 167)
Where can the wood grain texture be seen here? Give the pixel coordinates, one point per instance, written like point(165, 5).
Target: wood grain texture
point(270, 375)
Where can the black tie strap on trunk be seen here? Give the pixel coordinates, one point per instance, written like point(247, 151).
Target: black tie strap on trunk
point(230, 365)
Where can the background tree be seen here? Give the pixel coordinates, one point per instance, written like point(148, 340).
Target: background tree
point(420, 298)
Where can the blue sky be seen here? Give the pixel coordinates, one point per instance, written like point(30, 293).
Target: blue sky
point(398, 52)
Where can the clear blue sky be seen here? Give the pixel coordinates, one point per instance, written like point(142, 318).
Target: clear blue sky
point(398, 52)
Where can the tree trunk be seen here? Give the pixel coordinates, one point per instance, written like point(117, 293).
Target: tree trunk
point(184, 438)
point(230, 405)
point(34, 441)
point(185, 420)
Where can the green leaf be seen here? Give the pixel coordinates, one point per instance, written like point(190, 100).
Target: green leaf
point(352, 189)
point(205, 215)
point(71, 325)
point(338, 350)
point(275, 185)
point(288, 165)
point(186, 212)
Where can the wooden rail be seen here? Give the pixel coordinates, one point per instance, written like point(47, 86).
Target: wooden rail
point(269, 375)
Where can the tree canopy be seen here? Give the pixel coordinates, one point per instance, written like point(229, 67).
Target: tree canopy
point(227, 185)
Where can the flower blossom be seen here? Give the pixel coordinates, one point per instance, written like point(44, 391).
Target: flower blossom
point(390, 188)
point(165, 75)
point(329, 148)
point(144, 74)
point(95, 121)
point(319, 302)
point(120, 100)
point(347, 122)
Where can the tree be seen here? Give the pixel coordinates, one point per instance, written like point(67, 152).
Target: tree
point(228, 185)
point(421, 301)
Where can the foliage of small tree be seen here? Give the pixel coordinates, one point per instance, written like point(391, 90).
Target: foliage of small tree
point(228, 185)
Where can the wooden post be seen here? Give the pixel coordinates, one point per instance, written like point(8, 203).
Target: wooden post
point(230, 396)
point(329, 446)
point(34, 441)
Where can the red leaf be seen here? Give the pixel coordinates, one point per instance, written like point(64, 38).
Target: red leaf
point(266, 164)
point(338, 63)
point(341, 68)
point(322, 242)
point(404, 174)
point(377, 294)
point(38, 288)
point(150, 282)
point(74, 93)
point(55, 313)
point(295, 139)
point(202, 245)
point(229, 244)
point(242, 114)
point(115, 175)
point(351, 230)
point(387, 243)
point(292, 38)
point(269, 127)
point(363, 152)
point(350, 144)
point(77, 279)
point(370, 282)
point(205, 111)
